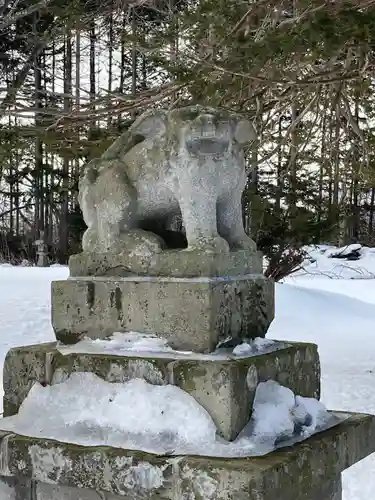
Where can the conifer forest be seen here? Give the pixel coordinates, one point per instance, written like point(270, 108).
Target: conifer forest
point(76, 73)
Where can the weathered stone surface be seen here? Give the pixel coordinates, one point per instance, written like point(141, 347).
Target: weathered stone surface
point(14, 488)
point(308, 471)
point(32, 490)
point(43, 491)
point(169, 263)
point(187, 162)
point(333, 492)
point(54, 492)
point(7, 489)
point(224, 387)
point(192, 314)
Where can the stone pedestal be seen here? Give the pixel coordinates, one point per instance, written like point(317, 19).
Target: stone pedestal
point(225, 386)
point(194, 299)
point(170, 263)
point(45, 491)
point(307, 471)
point(192, 314)
point(194, 308)
point(42, 469)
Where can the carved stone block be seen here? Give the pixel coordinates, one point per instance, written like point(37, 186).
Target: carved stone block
point(224, 385)
point(192, 314)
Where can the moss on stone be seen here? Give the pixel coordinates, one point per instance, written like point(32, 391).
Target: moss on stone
point(309, 470)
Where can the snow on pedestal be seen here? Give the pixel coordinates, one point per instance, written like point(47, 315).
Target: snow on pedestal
point(131, 343)
point(159, 419)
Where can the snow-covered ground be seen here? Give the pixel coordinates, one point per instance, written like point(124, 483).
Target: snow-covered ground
point(331, 303)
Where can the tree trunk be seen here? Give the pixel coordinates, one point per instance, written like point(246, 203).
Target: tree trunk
point(50, 233)
point(371, 213)
point(11, 186)
point(279, 174)
point(92, 80)
point(292, 167)
point(322, 167)
point(77, 105)
point(356, 186)
point(47, 183)
point(64, 229)
point(110, 63)
point(134, 56)
point(329, 166)
point(122, 57)
point(175, 32)
point(336, 169)
point(38, 162)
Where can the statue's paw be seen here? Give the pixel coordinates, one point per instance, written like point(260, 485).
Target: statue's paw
point(219, 245)
point(90, 241)
point(244, 243)
point(215, 244)
point(141, 243)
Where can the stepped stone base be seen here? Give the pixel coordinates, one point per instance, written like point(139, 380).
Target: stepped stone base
point(43, 491)
point(308, 471)
point(50, 492)
point(192, 314)
point(225, 386)
point(178, 264)
point(330, 491)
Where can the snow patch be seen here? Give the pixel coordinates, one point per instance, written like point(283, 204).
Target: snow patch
point(278, 412)
point(136, 415)
point(308, 414)
point(147, 345)
point(352, 262)
point(342, 251)
point(252, 347)
point(130, 341)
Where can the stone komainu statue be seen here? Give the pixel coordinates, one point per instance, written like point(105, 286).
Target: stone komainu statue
point(187, 162)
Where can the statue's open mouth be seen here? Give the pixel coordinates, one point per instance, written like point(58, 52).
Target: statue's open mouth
point(206, 145)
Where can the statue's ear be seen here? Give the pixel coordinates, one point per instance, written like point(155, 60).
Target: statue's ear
point(150, 124)
point(90, 171)
point(244, 132)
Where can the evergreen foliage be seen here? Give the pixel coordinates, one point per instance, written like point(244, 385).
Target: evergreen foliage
point(76, 73)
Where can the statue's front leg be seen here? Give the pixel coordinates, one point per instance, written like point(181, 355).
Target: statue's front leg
point(230, 224)
point(199, 215)
point(115, 207)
